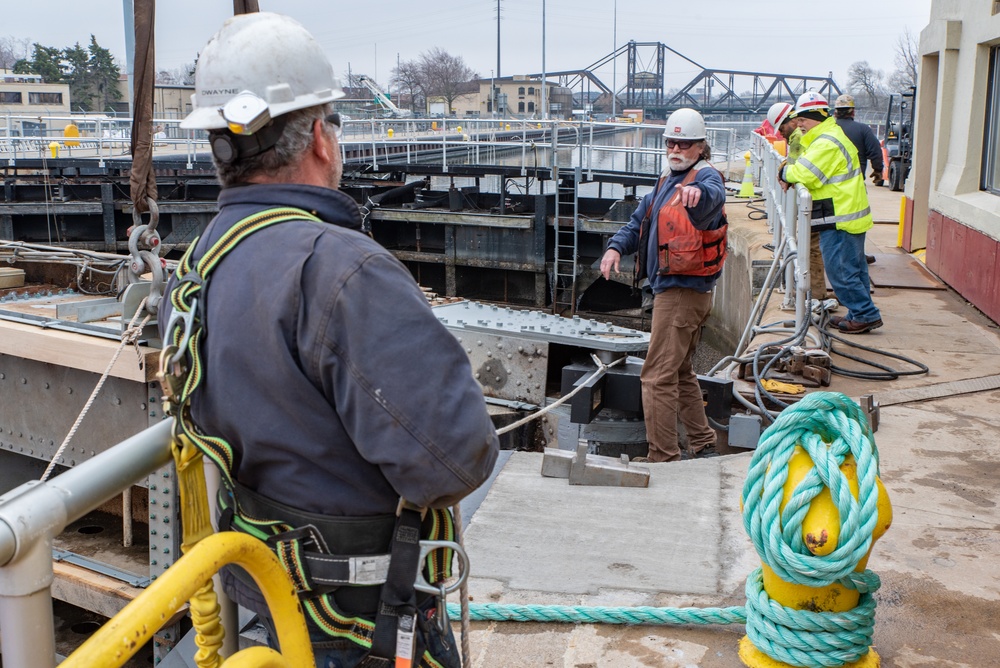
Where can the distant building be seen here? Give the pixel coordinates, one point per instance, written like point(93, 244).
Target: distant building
point(952, 205)
point(520, 96)
point(26, 95)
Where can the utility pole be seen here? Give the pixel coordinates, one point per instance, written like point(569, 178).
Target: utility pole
point(493, 93)
point(545, 88)
point(614, 67)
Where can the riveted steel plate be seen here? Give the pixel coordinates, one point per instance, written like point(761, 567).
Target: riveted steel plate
point(41, 402)
point(507, 367)
point(477, 317)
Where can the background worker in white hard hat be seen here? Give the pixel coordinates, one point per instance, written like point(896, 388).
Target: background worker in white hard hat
point(782, 116)
point(679, 233)
point(331, 413)
point(862, 136)
point(829, 168)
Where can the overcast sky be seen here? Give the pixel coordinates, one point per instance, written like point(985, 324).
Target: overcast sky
point(806, 37)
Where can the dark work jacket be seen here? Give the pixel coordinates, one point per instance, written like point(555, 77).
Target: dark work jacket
point(707, 215)
point(864, 139)
point(326, 369)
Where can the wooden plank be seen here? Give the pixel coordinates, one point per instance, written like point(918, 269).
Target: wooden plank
point(98, 593)
point(76, 351)
point(91, 591)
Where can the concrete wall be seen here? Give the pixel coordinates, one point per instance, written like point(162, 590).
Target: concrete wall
point(947, 213)
point(735, 292)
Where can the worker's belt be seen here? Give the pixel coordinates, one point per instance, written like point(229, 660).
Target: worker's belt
point(342, 556)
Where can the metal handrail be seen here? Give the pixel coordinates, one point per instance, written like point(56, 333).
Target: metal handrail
point(105, 137)
point(32, 515)
point(789, 216)
point(118, 640)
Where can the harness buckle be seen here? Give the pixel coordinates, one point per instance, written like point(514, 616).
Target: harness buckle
point(307, 535)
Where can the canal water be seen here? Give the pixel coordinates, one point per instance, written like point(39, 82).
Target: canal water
point(628, 151)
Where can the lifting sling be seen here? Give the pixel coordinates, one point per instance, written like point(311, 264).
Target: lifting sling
point(302, 541)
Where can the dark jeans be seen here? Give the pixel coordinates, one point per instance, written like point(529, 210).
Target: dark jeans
point(343, 653)
point(847, 269)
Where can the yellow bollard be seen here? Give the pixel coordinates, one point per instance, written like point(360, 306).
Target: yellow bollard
point(390, 133)
point(746, 188)
point(508, 126)
point(434, 125)
point(539, 126)
point(821, 533)
point(71, 130)
point(459, 129)
point(54, 149)
point(902, 221)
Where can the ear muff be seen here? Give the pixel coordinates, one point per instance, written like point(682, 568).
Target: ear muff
point(229, 148)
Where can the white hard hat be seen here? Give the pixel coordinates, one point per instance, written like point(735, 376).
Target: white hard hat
point(270, 56)
point(811, 101)
point(778, 114)
point(685, 124)
point(844, 102)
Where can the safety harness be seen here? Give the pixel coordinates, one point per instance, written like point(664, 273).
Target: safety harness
point(303, 541)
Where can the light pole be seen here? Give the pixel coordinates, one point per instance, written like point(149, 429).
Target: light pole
point(614, 66)
point(493, 97)
point(545, 88)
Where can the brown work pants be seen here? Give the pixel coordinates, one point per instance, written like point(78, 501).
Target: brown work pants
point(817, 275)
point(670, 387)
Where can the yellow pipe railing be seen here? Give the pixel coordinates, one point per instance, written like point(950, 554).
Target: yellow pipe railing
point(128, 631)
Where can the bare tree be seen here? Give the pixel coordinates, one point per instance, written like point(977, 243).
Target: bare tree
point(13, 49)
point(907, 58)
point(407, 77)
point(445, 74)
point(864, 79)
point(178, 76)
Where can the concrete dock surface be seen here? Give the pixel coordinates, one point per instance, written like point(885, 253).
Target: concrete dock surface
point(681, 542)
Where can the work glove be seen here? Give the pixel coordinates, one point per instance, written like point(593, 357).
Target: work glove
point(877, 177)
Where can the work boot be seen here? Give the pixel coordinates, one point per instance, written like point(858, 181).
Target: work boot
point(856, 327)
point(835, 320)
point(870, 259)
point(706, 452)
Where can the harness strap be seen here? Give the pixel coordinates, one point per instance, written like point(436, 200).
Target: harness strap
point(302, 550)
point(395, 621)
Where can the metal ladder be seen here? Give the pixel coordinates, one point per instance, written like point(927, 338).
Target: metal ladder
point(565, 223)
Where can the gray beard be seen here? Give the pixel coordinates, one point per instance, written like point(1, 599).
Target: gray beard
point(681, 164)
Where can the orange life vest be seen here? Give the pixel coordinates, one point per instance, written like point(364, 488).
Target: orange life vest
point(683, 248)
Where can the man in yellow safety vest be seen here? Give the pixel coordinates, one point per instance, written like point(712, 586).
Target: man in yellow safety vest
point(830, 169)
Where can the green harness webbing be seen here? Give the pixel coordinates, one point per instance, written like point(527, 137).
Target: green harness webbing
point(182, 373)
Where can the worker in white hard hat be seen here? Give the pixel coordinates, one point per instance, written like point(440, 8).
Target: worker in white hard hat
point(782, 116)
point(862, 136)
point(679, 234)
point(344, 417)
point(829, 168)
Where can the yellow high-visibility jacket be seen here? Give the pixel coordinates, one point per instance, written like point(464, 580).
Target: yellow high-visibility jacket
point(830, 169)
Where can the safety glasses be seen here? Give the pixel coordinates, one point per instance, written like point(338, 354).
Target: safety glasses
point(334, 120)
point(682, 145)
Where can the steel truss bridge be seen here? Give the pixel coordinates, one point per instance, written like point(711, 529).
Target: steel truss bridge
point(712, 91)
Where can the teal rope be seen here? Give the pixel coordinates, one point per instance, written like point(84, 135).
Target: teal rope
point(829, 426)
point(581, 614)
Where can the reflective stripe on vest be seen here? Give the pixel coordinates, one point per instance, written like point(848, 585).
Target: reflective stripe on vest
point(852, 171)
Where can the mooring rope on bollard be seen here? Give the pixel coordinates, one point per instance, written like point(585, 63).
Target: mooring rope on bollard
point(829, 427)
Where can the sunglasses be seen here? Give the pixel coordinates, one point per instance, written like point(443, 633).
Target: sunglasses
point(682, 145)
point(334, 120)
